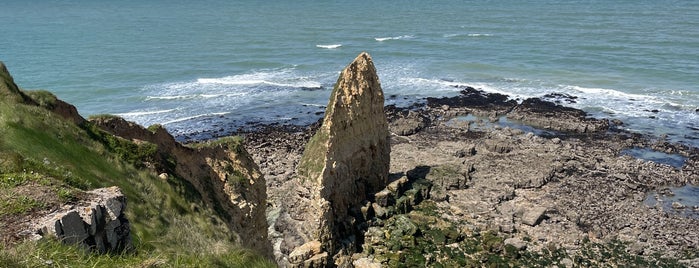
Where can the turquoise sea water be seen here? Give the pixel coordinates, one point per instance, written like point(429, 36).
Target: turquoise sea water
point(202, 65)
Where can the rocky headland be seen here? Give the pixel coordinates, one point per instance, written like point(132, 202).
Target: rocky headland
point(535, 183)
point(472, 180)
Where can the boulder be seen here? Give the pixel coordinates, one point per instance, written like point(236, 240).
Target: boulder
point(348, 157)
point(99, 224)
point(548, 115)
point(533, 216)
point(516, 242)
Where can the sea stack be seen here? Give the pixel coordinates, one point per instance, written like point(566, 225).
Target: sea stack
point(346, 160)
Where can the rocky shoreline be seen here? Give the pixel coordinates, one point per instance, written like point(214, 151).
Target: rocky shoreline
point(568, 186)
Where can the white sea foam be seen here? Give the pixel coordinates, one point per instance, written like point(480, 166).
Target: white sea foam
point(467, 34)
point(279, 78)
point(381, 39)
point(333, 46)
point(142, 113)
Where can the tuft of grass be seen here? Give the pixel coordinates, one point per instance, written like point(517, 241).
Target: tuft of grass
point(232, 143)
point(43, 98)
point(18, 205)
point(53, 253)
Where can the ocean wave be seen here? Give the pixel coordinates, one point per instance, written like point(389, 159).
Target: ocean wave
point(282, 78)
point(142, 113)
point(381, 39)
point(467, 34)
point(333, 46)
point(605, 93)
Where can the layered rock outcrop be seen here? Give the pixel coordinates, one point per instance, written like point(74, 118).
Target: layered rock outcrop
point(221, 172)
point(346, 160)
point(99, 223)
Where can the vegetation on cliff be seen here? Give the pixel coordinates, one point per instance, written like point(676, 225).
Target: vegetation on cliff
point(48, 161)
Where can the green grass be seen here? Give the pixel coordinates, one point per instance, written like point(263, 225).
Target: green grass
point(52, 253)
point(170, 225)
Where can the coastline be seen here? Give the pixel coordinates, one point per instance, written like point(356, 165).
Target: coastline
point(575, 176)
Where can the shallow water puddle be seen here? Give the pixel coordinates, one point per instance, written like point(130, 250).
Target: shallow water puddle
point(683, 201)
point(648, 154)
point(483, 124)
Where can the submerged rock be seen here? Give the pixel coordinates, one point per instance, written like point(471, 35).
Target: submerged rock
point(348, 157)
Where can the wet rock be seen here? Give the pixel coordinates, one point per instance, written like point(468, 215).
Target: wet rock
point(548, 115)
point(474, 101)
point(678, 205)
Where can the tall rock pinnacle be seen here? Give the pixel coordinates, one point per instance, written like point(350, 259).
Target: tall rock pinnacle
point(348, 158)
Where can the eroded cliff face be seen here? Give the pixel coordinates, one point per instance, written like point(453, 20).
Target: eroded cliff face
point(222, 173)
point(346, 160)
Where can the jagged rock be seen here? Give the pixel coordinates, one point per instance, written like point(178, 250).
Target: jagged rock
point(548, 115)
point(449, 177)
point(100, 224)
point(516, 242)
point(500, 147)
point(384, 198)
point(305, 251)
point(73, 228)
point(533, 216)
point(348, 157)
point(366, 263)
point(396, 186)
point(678, 205)
point(408, 125)
point(225, 176)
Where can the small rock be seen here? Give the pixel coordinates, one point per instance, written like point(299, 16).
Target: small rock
point(516, 242)
point(507, 228)
point(678, 205)
point(533, 216)
point(305, 251)
point(74, 230)
point(384, 198)
point(565, 262)
point(380, 211)
point(366, 263)
point(396, 185)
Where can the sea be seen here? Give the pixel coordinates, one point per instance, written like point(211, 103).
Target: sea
point(220, 65)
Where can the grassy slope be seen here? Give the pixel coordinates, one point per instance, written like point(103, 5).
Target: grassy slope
point(40, 150)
